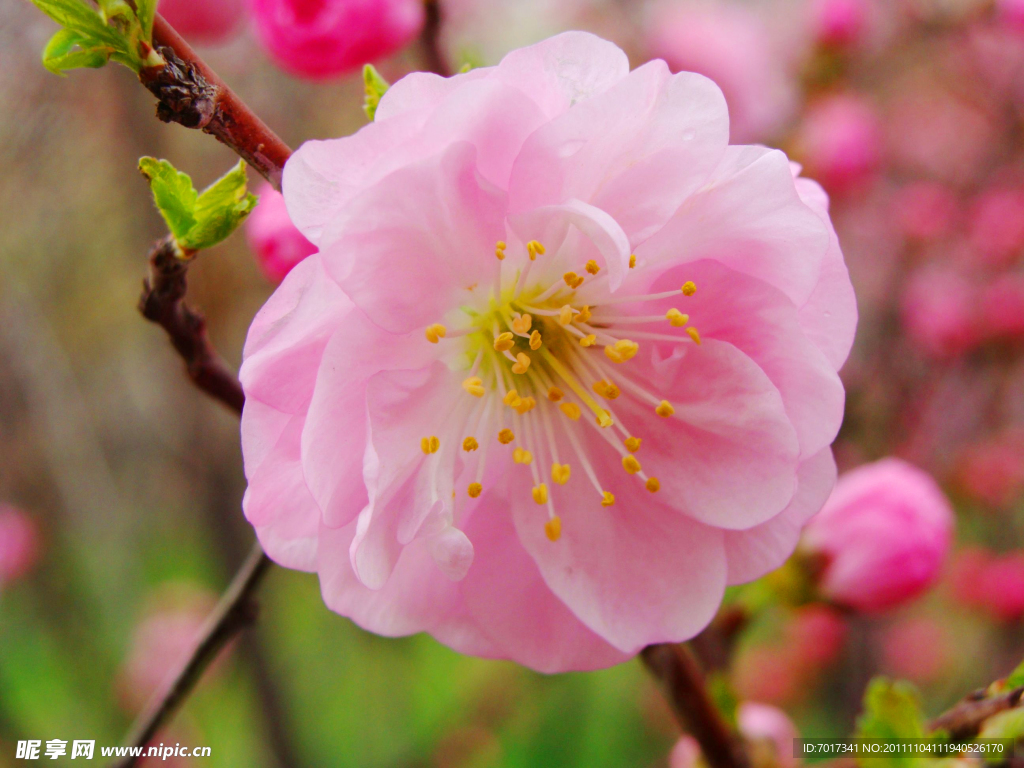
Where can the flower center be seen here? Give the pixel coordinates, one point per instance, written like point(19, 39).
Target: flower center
point(542, 363)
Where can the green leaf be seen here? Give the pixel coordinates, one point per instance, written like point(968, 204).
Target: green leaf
point(60, 53)
point(173, 193)
point(1015, 678)
point(219, 210)
point(78, 16)
point(146, 10)
point(375, 87)
point(892, 710)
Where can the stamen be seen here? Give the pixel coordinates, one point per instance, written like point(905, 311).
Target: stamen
point(664, 409)
point(632, 260)
point(647, 297)
point(506, 436)
point(474, 490)
point(676, 318)
point(630, 464)
point(474, 385)
point(553, 528)
point(499, 250)
point(652, 484)
point(526, 405)
point(587, 468)
point(571, 410)
point(689, 288)
point(633, 444)
point(565, 315)
point(560, 473)
point(606, 389)
point(573, 280)
point(592, 267)
point(621, 351)
point(533, 248)
point(522, 363)
point(608, 497)
point(522, 456)
point(470, 444)
point(435, 333)
point(588, 341)
point(535, 341)
point(584, 315)
point(512, 399)
point(521, 324)
point(693, 334)
point(430, 444)
point(503, 342)
point(581, 392)
point(555, 394)
point(540, 493)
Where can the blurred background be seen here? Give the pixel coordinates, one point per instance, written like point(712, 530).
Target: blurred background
point(120, 484)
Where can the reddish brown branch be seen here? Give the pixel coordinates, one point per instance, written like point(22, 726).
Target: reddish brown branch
point(430, 39)
point(965, 720)
point(163, 302)
point(235, 611)
point(679, 674)
point(190, 93)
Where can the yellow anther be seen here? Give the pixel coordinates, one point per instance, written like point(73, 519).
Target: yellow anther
point(603, 419)
point(560, 473)
point(630, 464)
point(607, 499)
point(571, 410)
point(506, 436)
point(553, 528)
point(600, 386)
point(652, 484)
point(512, 398)
point(572, 279)
point(430, 444)
point(565, 315)
point(588, 340)
point(592, 267)
point(606, 389)
point(435, 333)
point(677, 318)
point(522, 456)
point(503, 342)
point(522, 323)
point(470, 444)
point(584, 315)
point(499, 250)
point(526, 405)
point(540, 493)
point(622, 350)
point(693, 334)
point(474, 385)
point(535, 341)
point(474, 490)
point(632, 444)
point(533, 248)
point(689, 288)
point(664, 409)
point(632, 260)
point(522, 363)
point(555, 394)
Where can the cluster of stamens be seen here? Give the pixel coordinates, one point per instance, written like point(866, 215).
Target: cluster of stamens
point(538, 355)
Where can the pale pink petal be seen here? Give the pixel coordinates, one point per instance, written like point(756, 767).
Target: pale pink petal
point(420, 242)
point(753, 553)
point(423, 91)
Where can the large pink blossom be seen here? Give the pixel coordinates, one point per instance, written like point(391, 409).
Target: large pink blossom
point(463, 438)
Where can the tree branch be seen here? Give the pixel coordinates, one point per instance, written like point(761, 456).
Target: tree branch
point(235, 611)
point(430, 40)
point(683, 682)
point(966, 718)
point(191, 94)
point(163, 302)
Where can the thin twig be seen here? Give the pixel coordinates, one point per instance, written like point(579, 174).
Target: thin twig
point(966, 718)
point(163, 302)
point(191, 94)
point(235, 611)
point(430, 40)
point(679, 674)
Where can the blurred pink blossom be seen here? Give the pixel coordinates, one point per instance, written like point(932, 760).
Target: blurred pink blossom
point(762, 722)
point(204, 22)
point(1001, 587)
point(964, 575)
point(1011, 12)
point(276, 242)
point(885, 532)
point(917, 649)
point(772, 674)
point(839, 23)
point(926, 210)
point(323, 38)
point(840, 141)
point(1002, 308)
point(732, 45)
point(19, 543)
point(685, 754)
point(996, 222)
point(992, 471)
point(940, 312)
point(817, 633)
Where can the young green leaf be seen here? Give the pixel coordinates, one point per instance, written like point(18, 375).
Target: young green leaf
point(146, 11)
point(173, 193)
point(219, 210)
point(92, 36)
point(892, 710)
point(375, 87)
point(69, 50)
point(1015, 678)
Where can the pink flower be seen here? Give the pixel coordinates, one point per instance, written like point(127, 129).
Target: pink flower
point(1001, 587)
point(817, 634)
point(761, 723)
point(939, 312)
point(917, 649)
point(965, 576)
point(19, 543)
point(685, 754)
point(839, 23)
point(730, 44)
point(992, 471)
point(277, 242)
point(997, 225)
point(1002, 308)
point(1011, 12)
point(885, 532)
point(206, 23)
point(926, 210)
point(324, 38)
point(659, 426)
point(840, 141)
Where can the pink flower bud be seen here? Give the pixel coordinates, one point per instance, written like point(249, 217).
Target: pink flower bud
point(764, 723)
point(840, 141)
point(925, 210)
point(277, 242)
point(939, 312)
point(839, 23)
point(917, 649)
point(208, 22)
point(997, 224)
point(1001, 587)
point(324, 38)
point(884, 532)
point(685, 754)
point(19, 543)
